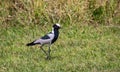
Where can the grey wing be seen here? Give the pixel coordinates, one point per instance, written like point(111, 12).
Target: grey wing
point(45, 39)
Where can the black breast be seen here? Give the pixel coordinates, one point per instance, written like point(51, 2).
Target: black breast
point(56, 34)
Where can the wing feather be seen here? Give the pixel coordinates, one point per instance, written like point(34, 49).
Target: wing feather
point(45, 39)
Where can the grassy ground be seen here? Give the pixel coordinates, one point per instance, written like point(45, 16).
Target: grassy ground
point(88, 42)
point(79, 48)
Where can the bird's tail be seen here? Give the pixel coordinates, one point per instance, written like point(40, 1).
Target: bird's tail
point(30, 44)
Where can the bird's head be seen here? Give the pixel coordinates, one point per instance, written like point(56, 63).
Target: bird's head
point(56, 26)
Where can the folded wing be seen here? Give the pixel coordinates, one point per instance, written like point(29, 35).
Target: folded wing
point(45, 39)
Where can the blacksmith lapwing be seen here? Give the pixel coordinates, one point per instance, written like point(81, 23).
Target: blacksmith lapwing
point(49, 38)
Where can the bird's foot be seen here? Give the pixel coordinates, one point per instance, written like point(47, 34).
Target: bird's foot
point(48, 57)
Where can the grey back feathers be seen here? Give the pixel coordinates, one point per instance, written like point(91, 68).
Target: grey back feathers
point(45, 39)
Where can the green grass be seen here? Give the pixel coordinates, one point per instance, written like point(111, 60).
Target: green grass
point(78, 49)
point(88, 42)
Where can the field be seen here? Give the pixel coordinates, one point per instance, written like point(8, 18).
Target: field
point(88, 41)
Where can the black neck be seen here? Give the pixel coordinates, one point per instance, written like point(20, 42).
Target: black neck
point(56, 34)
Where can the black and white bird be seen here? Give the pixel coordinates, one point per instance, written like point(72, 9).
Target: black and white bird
point(49, 38)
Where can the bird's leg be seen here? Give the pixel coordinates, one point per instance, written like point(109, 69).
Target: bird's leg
point(43, 50)
point(49, 50)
